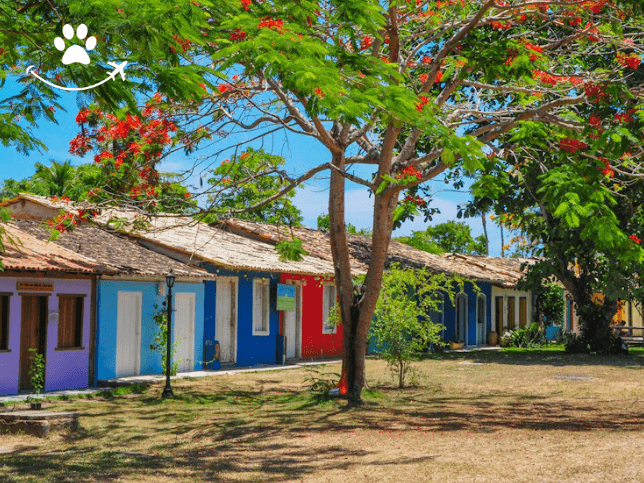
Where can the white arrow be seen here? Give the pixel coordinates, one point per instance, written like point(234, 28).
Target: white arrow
point(118, 69)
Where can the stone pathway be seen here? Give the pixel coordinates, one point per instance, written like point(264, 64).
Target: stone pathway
point(127, 381)
point(16, 398)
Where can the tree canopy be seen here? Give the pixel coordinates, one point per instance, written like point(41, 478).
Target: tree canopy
point(451, 236)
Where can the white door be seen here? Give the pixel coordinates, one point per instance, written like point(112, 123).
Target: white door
point(226, 319)
point(184, 331)
point(128, 334)
point(293, 327)
point(481, 319)
point(461, 318)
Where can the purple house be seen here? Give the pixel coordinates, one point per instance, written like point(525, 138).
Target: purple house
point(46, 303)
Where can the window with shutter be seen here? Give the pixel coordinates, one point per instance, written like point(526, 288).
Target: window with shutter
point(261, 308)
point(70, 321)
point(329, 300)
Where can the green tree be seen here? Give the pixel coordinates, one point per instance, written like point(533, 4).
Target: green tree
point(246, 180)
point(57, 178)
point(325, 225)
point(583, 219)
point(403, 327)
point(550, 303)
point(142, 33)
point(451, 236)
point(396, 93)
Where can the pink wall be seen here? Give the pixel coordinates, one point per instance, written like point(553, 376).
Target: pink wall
point(315, 344)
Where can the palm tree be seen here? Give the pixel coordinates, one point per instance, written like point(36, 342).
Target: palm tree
point(58, 178)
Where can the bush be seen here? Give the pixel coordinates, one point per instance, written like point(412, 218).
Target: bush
point(532, 336)
point(402, 327)
point(573, 343)
point(576, 344)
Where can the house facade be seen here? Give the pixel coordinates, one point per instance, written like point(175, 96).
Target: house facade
point(127, 299)
point(46, 305)
point(242, 325)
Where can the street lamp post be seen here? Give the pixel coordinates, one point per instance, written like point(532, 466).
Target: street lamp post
point(170, 278)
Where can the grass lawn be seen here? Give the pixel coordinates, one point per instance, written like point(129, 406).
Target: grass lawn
point(516, 416)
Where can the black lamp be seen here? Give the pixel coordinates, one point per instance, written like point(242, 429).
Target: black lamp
point(169, 280)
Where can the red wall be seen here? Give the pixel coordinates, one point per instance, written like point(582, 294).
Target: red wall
point(314, 342)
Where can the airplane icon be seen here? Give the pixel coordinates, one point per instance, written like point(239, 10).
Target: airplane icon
point(118, 69)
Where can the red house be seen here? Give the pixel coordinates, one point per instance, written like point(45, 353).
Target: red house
point(306, 325)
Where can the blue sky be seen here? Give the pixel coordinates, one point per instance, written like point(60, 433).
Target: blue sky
point(300, 153)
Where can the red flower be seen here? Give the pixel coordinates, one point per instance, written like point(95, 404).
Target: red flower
point(635, 238)
point(187, 195)
point(572, 145)
point(272, 24)
point(237, 34)
point(246, 4)
point(410, 171)
point(631, 60)
point(244, 155)
point(423, 102)
point(367, 41)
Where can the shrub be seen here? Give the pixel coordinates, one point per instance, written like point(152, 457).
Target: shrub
point(402, 325)
point(532, 336)
point(577, 344)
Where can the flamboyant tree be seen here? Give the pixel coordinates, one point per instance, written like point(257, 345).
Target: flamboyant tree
point(410, 89)
point(399, 92)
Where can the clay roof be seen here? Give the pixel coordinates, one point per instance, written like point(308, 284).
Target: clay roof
point(68, 206)
point(35, 255)
point(199, 241)
point(504, 272)
point(119, 252)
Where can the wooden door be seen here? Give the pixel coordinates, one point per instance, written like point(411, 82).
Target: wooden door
point(33, 333)
point(293, 327)
point(226, 319)
point(184, 331)
point(128, 334)
point(498, 315)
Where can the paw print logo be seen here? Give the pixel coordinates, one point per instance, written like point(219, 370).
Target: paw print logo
point(75, 53)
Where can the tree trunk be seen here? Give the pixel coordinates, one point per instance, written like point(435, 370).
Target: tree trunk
point(502, 241)
point(487, 241)
point(357, 306)
point(343, 279)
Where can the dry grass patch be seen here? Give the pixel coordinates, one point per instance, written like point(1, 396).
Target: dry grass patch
point(528, 416)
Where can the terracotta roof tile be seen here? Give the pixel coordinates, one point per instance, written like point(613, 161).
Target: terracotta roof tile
point(33, 254)
point(499, 271)
point(121, 253)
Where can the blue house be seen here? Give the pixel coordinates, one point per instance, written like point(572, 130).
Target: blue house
point(498, 306)
point(127, 301)
point(242, 325)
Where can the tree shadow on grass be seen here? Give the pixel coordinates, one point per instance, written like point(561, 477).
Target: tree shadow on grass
point(277, 463)
point(531, 357)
